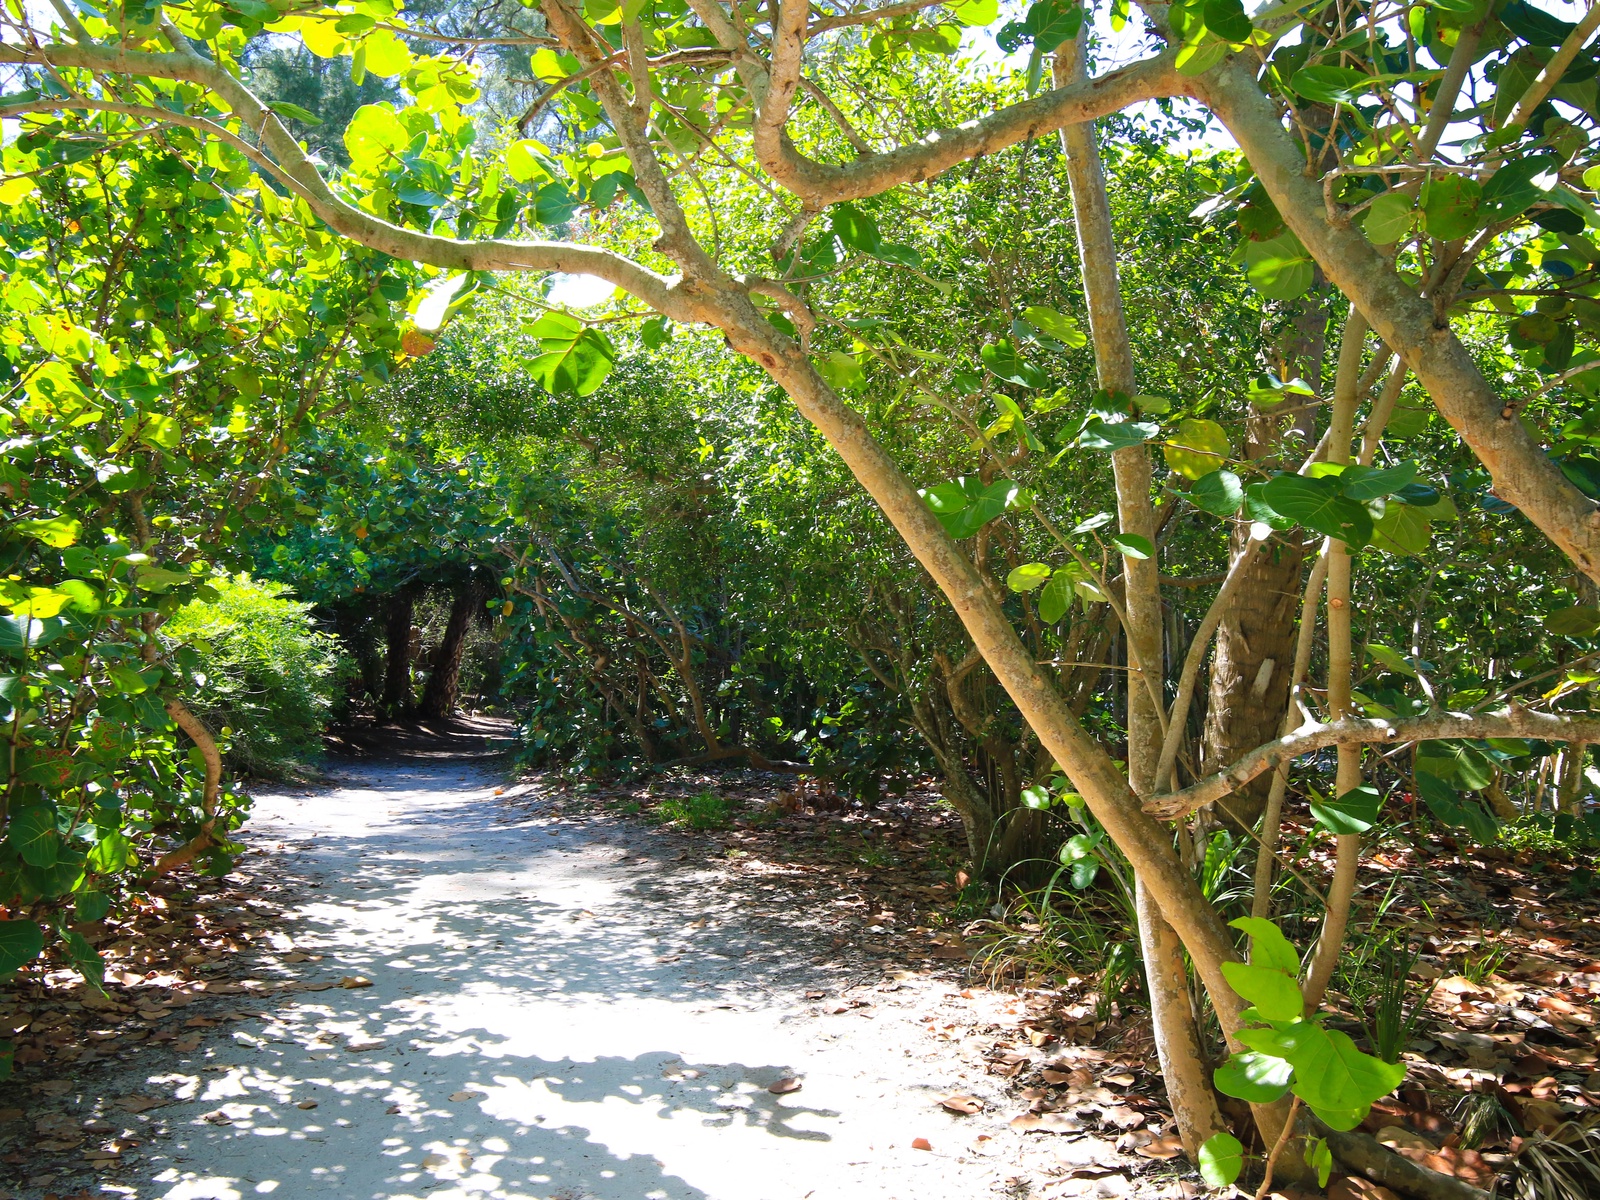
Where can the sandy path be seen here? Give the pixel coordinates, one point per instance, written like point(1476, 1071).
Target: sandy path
point(556, 1012)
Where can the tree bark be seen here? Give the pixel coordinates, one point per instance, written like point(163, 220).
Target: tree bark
point(397, 664)
point(1250, 668)
point(1183, 1061)
point(443, 689)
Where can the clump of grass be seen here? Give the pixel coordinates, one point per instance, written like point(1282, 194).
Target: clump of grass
point(1561, 1165)
point(703, 810)
point(1475, 968)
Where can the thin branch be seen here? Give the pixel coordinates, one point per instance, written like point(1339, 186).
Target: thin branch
point(1313, 736)
point(1553, 70)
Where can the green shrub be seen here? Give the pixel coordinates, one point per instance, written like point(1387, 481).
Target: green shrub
point(703, 810)
point(266, 673)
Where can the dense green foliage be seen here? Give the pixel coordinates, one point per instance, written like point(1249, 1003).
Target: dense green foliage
point(144, 410)
point(264, 676)
point(673, 546)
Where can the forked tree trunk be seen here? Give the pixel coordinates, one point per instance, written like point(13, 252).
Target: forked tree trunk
point(397, 663)
point(443, 689)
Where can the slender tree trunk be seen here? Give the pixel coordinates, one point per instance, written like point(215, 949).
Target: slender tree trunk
point(397, 666)
point(1183, 1062)
point(1341, 891)
point(1567, 800)
point(443, 689)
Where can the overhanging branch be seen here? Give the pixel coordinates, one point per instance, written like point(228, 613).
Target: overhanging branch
point(1507, 723)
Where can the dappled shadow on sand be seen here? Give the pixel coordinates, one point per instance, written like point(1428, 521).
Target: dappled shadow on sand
point(514, 1128)
point(548, 1017)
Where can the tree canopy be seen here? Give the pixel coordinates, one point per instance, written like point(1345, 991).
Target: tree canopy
point(948, 418)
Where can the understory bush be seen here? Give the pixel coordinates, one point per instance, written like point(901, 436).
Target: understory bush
point(267, 675)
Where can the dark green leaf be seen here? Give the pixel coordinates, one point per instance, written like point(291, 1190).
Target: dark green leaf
point(1253, 1077)
point(33, 832)
point(1132, 545)
point(857, 230)
point(1515, 186)
point(1227, 19)
point(20, 943)
point(1221, 1159)
point(1320, 505)
point(1002, 359)
point(1458, 763)
point(1056, 598)
point(1100, 434)
point(1372, 483)
point(1329, 85)
point(1354, 812)
point(1219, 493)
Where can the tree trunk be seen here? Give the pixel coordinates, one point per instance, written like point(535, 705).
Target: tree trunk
point(397, 667)
point(1177, 1039)
point(1251, 665)
point(1250, 669)
point(443, 689)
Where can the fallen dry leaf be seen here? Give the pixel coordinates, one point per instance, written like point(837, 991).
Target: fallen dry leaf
point(963, 1104)
point(1047, 1123)
point(464, 1097)
point(1395, 1137)
point(357, 1043)
point(784, 1086)
point(307, 1104)
point(1167, 1146)
point(139, 1104)
point(1355, 1188)
point(1124, 1117)
point(355, 981)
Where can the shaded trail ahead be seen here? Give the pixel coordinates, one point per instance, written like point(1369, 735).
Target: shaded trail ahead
point(556, 1011)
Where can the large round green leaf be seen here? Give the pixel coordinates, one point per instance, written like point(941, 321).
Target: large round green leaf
point(1197, 448)
point(1218, 492)
point(1253, 1077)
point(33, 832)
point(1002, 359)
point(375, 135)
point(1450, 207)
point(1221, 1159)
point(1320, 505)
point(1275, 993)
point(20, 943)
point(1279, 268)
point(1331, 1073)
point(1329, 85)
point(1268, 946)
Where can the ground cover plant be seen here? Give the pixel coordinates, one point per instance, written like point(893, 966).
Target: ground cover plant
point(1206, 547)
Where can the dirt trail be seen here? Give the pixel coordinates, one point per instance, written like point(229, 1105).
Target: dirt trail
point(556, 1011)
